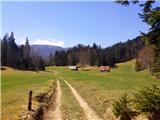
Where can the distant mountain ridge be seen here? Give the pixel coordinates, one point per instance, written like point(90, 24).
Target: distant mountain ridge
point(46, 50)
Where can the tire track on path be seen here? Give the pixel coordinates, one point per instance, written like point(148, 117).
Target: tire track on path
point(54, 111)
point(89, 113)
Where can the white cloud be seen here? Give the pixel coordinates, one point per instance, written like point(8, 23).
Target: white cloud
point(42, 42)
point(48, 42)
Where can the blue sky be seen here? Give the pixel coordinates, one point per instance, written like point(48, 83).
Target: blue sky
point(70, 23)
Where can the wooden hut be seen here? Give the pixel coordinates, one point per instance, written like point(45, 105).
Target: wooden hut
point(73, 68)
point(105, 68)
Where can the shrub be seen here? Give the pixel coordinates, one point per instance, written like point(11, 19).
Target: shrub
point(137, 66)
point(147, 102)
point(122, 108)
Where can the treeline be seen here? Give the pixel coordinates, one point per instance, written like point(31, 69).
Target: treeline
point(95, 55)
point(151, 16)
point(20, 57)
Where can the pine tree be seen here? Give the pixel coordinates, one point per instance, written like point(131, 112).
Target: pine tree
point(4, 45)
point(147, 102)
point(12, 51)
point(27, 56)
point(122, 108)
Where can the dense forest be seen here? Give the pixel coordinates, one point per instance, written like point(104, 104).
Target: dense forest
point(151, 16)
point(24, 57)
point(20, 57)
point(95, 55)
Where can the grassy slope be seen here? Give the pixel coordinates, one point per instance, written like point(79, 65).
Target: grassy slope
point(15, 87)
point(101, 89)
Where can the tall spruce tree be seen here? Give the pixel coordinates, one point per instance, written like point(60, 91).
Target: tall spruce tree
point(12, 51)
point(27, 56)
point(4, 45)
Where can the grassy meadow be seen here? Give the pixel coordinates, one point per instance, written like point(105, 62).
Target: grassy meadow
point(98, 89)
point(16, 85)
point(101, 89)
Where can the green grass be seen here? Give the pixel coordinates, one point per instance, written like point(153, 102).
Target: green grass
point(15, 86)
point(98, 89)
point(70, 106)
point(101, 89)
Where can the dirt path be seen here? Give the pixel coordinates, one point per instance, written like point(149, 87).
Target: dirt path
point(89, 113)
point(54, 111)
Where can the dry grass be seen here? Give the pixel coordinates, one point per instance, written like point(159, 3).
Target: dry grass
point(100, 90)
point(16, 85)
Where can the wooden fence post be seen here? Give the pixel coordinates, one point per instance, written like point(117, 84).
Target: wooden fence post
point(30, 101)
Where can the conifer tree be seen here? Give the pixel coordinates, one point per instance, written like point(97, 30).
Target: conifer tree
point(12, 51)
point(4, 45)
point(147, 102)
point(122, 108)
point(27, 56)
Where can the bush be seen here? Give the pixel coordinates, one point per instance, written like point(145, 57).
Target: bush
point(147, 102)
point(122, 108)
point(137, 66)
